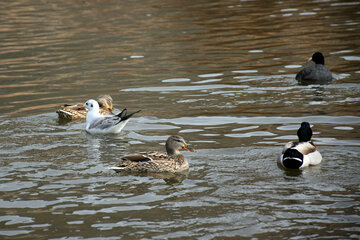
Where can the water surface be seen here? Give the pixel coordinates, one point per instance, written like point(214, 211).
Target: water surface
point(221, 74)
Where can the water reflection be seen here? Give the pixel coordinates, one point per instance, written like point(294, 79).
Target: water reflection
point(169, 178)
point(308, 174)
point(65, 121)
point(100, 147)
point(290, 174)
point(93, 148)
point(312, 82)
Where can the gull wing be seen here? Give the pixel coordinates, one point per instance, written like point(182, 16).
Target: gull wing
point(105, 122)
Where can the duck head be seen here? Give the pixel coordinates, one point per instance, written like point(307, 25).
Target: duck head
point(176, 143)
point(105, 101)
point(304, 133)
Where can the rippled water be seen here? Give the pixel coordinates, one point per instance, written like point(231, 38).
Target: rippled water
point(221, 74)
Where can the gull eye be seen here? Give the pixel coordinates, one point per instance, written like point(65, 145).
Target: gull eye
point(91, 105)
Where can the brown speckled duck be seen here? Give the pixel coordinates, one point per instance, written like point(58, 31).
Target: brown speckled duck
point(78, 111)
point(172, 161)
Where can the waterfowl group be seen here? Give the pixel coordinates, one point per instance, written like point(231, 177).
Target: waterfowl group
point(315, 73)
point(171, 161)
point(99, 119)
point(78, 111)
point(303, 153)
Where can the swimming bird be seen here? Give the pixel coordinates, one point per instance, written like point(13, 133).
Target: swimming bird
point(78, 111)
point(97, 123)
point(318, 72)
point(300, 154)
point(171, 161)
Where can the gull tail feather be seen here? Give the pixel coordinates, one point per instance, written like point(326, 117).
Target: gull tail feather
point(124, 116)
point(123, 113)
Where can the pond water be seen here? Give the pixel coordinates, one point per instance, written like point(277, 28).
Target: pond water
point(219, 73)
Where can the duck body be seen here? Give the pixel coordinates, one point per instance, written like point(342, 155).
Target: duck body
point(78, 111)
point(317, 73)
point(297, 155)
point(172, 161)
point(98, 123)
point(152, 162)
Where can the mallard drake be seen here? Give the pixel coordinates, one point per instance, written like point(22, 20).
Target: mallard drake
point(300, 154)
point(78, 111)
point(318, 72)
point(98, 123)
point(171, 161)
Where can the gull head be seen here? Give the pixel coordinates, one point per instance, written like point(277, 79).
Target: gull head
point(92, 105)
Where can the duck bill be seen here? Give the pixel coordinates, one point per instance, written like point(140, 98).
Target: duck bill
point(111, 109)
point(185, 147)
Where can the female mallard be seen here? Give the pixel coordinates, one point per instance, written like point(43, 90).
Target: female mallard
point(300, 154)
point(318, 72)
point(78, 111)
point(173, 161)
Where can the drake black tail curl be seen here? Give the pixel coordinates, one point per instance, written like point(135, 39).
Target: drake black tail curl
point(292, 159)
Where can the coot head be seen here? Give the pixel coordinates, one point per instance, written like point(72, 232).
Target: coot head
point(318, 58)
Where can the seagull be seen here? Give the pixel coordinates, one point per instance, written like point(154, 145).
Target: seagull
point(97, 123)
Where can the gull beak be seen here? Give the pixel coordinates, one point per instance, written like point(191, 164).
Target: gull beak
point(185, 147)
point(81, 107)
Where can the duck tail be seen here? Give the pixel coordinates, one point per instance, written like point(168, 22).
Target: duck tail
point(292, 159)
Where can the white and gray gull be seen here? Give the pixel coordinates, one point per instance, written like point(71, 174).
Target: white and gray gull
point(98, 123)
